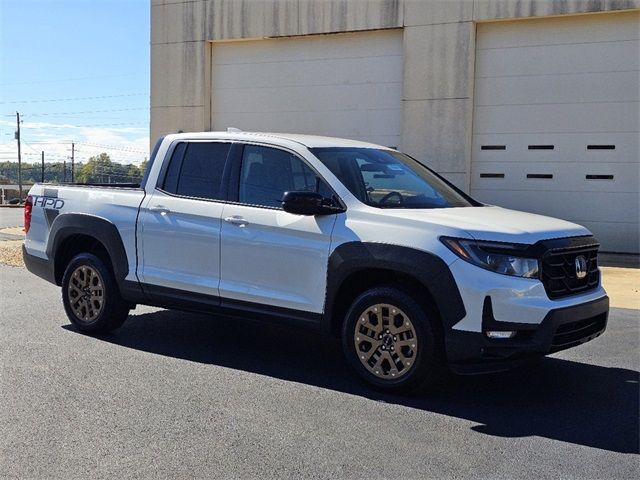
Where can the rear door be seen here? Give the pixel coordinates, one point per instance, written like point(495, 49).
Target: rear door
point(269, 256)
point(180, 222)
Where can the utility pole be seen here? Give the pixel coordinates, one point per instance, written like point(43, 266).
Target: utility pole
point(73, 146)
point(64, 171)
point(19, 157)
point(42, 167)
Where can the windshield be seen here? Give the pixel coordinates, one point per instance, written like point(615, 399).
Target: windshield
point(390, 179)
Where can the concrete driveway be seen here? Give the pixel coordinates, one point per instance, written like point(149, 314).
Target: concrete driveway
point(178, 395)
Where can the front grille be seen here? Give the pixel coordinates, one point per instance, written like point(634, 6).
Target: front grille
point(571, 334)
point(558, 272)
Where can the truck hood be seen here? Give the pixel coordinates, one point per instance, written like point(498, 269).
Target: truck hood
point(496, 223)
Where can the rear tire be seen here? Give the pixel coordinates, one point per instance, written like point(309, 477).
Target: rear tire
point(91, 296)
point(390, 342)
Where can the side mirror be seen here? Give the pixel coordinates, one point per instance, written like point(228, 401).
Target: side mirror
point(308, 203)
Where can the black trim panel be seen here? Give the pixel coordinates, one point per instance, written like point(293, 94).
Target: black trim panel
point(473, 352)
point(545, 247)
point(41, 267)
point(271, 313)
point(68, 224)
point(428, 269)
point(179, 299)
point(172, 298)
point(131, 291)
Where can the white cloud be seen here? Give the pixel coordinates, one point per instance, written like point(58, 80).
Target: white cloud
point(123, 144)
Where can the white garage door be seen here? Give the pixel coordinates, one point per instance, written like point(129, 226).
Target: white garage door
point(346, 85)
point(556, 121)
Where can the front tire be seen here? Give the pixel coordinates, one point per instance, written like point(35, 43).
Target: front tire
point(389, 340)
point(91, 297)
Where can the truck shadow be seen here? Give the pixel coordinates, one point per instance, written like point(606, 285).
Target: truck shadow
point(558, 399)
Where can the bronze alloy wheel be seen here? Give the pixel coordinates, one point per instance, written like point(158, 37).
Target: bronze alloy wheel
point(386, 341)
point(86, 293)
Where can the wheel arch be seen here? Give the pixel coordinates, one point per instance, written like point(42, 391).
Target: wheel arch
point(357, 266)
point(77, 233)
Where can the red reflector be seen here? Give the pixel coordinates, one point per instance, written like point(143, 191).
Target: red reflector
point(28, 206)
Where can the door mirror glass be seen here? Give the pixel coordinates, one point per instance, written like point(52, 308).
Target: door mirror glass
point(308, 203)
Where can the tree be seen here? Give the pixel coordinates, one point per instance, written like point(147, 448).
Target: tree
point(94, 169)
point(98, 169)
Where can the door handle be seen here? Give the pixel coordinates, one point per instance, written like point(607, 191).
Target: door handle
point(236, 220)
point(160, 209)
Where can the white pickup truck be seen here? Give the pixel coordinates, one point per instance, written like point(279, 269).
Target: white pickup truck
point(348, 238)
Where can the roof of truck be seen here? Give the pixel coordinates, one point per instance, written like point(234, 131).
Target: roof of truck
point(310, 141)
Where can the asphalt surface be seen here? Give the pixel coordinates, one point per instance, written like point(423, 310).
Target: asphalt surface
point(176, 395)
point(11, 217)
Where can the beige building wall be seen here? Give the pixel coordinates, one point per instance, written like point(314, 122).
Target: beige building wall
point(438, 45)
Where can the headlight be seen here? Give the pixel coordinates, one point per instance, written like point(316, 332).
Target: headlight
point(497, 257)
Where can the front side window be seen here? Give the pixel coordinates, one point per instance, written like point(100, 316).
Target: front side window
point(267, 173)
point(389, 179)
point(196, 170)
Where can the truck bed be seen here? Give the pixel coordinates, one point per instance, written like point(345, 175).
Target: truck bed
point(117, 202)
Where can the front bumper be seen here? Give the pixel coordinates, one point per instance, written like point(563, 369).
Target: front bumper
point(562, 328)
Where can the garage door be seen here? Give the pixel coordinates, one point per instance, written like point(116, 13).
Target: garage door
point(346, 85)
point(556, 121)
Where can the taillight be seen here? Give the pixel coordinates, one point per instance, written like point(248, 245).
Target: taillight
point(28, 206)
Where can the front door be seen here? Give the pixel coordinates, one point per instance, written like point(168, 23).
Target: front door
point(269, 256)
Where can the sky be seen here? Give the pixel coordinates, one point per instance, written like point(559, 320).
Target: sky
point(77, 71)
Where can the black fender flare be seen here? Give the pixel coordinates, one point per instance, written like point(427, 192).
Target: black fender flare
point(68, 224)
point(429, 269)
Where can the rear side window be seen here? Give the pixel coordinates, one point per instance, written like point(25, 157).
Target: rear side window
point(173, 171)
point(196, 170)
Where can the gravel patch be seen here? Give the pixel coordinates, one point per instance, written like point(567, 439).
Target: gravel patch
point(11, 253)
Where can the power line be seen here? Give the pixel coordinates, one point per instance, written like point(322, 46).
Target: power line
point(119, 117)
point(48, 155)
point(58, 142)
point(29, 147)
point(76, 78)
point(83, 160)
point(112, 147)
point(82, 112)
point(77, 98)
point(69, 126)
point(90, 146)
point(124, 152)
